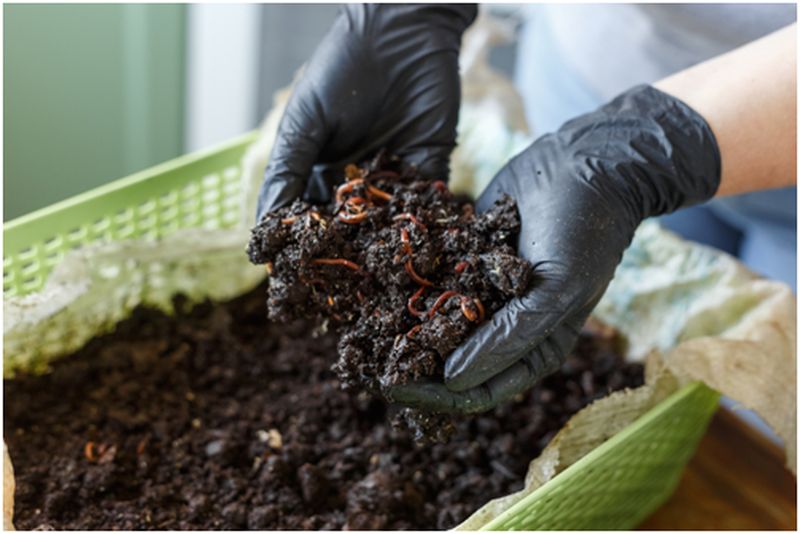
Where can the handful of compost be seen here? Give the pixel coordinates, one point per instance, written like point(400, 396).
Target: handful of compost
point(403, 269)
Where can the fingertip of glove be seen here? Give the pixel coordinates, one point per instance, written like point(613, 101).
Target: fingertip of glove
point(469, 376)
point(425, 396)
point(279, 189)
point(459, 366)
point(488, 351)
point(458, 378)
point(400, 394)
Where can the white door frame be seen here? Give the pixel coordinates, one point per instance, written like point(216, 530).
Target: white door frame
point(222, 52)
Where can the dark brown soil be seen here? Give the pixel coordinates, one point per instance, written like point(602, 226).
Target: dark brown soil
point(216, 419)
point(399, 266)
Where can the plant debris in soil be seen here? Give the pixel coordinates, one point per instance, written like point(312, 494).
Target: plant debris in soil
point(403, 269)
point(215, 418)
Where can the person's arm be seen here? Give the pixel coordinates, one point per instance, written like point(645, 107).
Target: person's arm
point(748, 97)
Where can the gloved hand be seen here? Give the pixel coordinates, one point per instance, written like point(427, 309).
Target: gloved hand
point(581, 192)
point(383, 76)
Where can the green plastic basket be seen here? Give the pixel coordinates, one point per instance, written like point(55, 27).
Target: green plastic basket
point(201, 190)
point(621, 482)
point(615, 486)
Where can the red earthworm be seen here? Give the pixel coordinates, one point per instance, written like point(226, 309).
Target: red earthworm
point(465, 306)
point(357, 218)
point(410, 217)
point(461, 267)
point(412, 300)
point(88, 451)
point(414, 276)
point(444, 297)
point(469, 313)
point(481, 310)
point(337, 261)
point(346, 188)
point(406, 241)
point(409, 264)
point(289, 220)
point(411, 333)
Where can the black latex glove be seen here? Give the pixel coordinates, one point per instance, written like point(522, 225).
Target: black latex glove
point(383, 76)
point(581, 191)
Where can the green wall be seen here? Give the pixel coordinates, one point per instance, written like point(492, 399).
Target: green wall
point(91, 93)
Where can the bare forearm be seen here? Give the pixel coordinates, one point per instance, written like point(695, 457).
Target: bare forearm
point(748, 97)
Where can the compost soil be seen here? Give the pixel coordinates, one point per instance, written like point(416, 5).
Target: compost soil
point(216, 418)
point(400, 267)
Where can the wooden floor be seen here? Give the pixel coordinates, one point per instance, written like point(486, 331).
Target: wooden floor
point(736, 481)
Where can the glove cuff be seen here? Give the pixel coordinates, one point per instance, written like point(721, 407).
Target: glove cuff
point(674, 160)
point(661, 154)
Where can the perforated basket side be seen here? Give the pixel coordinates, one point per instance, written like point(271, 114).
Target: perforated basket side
point(198, 190)
point(626, 478)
